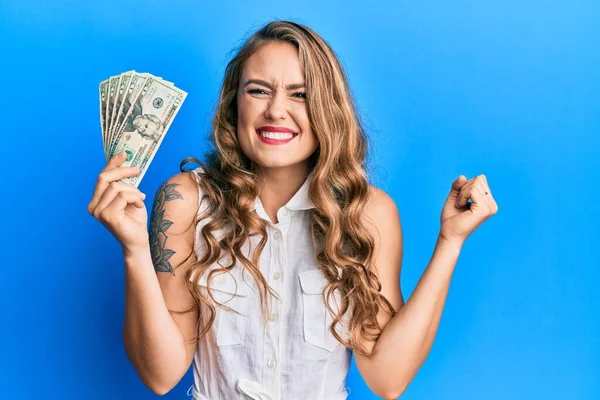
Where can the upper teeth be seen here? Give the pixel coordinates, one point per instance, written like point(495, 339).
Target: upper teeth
point(276, 135)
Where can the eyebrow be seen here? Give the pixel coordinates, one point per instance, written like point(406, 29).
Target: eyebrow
point(267, 84)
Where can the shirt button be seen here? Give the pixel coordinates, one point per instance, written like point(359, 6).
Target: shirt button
point(271, 363)
point(273, 316)
point(276, 275)
point(277, 235)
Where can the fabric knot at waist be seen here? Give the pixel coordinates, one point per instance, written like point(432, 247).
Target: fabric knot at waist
point(253, 389)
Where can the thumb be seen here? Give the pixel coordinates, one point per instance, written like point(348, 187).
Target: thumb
point(456, 185)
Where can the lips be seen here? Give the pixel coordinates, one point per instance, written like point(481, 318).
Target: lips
point(271, 128)
point(278, 141)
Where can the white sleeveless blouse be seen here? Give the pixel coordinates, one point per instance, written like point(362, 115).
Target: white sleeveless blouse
point(293, 356)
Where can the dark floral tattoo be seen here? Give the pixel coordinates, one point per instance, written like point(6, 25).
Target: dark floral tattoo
point(159, 225)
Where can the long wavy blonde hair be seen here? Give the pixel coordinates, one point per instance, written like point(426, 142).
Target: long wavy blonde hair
point(339, 189)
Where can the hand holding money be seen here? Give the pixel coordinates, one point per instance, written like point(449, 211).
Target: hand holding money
point(119, 206)
point(136, 110)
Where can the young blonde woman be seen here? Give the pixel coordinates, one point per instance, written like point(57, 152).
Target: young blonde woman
point(274, 261)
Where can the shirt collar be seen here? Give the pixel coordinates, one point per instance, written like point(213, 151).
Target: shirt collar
point(299, 201)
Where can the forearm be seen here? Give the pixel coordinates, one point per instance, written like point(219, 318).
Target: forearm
point(407, 338)
point(152, 340)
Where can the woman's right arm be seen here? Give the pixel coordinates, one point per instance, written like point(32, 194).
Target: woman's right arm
point(158, 343)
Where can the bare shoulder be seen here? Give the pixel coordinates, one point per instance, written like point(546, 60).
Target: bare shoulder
point(380, 198)
point(172, 220)
point(383, 222)
point(178, 198)
point(181, 186)
point(383, 211)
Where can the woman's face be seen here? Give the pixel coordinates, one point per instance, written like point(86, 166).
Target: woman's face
point(276, 103)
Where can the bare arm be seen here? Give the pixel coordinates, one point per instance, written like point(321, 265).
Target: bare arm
point(159, 343)
point(406, 338)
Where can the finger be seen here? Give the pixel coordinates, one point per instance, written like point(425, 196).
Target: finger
point(463, 195)
point(111, 192)
point(117, 160)
point(475, 190)
point(484, 178)
point(487, 195)
point(120, 186)
point(480, 204)
point(482, 187)
point(463, 199)
point(105, 179)
point(121, 200)
point(118, 173)
point(455, 189)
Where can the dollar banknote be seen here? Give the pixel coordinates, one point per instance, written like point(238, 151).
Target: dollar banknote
point(103, 96)
point(110, 96)
point(122, 85)
point(136, 111)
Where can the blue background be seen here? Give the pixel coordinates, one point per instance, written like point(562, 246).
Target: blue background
point(504, 88)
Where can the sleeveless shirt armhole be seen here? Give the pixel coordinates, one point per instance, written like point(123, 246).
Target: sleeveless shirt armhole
point(196, 177)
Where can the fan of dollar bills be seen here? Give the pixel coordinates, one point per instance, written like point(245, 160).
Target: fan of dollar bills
point(136, 110)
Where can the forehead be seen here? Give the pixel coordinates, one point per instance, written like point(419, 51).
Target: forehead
point(274, 62)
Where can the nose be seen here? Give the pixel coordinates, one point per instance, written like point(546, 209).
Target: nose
point(276, 108)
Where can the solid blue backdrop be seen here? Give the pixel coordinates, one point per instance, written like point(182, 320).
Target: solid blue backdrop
point(508, 89)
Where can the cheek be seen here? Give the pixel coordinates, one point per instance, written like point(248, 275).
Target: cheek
point(301, 117)
point(248, 111)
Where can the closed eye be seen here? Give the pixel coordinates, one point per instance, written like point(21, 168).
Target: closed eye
point(256, 91)
point(299, 95)
point(302, 94)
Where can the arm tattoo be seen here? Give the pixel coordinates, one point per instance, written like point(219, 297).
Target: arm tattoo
point(159, 225)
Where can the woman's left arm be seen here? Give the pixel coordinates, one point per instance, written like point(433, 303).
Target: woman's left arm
point(407, 338)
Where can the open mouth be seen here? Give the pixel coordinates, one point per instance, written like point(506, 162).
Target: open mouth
point(275, 137)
